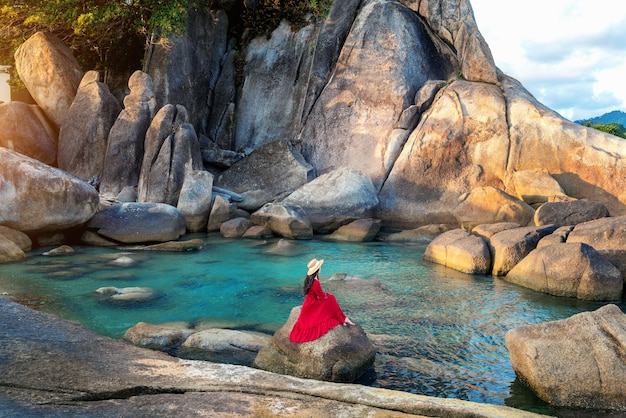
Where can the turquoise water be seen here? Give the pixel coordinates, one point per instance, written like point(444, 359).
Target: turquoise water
point(438, 332)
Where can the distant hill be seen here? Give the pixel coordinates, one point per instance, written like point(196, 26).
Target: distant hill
point(616, 116)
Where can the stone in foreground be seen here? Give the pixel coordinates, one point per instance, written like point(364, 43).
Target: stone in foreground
point(341, 355)
point(577, 362)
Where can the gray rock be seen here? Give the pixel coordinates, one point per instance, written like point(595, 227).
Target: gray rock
point(83, 136)
point(139, 222)
point(221, 211)
point(224, 346)
point(194, 200)
point(125, 148)
point(572, 270)
point(576, 362)
point(275, 77)
point(559, 236)
point(258, 231)
point(509, 247)
point(60, 251)
point(335, 199)
point(284, 220)
point(222, 114)
point(235, 228)
point(272, 171)
point(37, 197)
point(460, 250)
point(128, 295)
point(572, 212)
point(185, 68)
point(50, 73)
point(156, 337)
point(25, 129)
point(341, 355)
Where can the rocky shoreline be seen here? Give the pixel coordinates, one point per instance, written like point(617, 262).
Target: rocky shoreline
point(55, 367)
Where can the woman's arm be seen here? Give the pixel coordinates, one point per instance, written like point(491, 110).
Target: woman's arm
point(317, 291)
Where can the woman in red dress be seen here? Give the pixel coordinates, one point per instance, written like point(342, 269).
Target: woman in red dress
point(320, 311)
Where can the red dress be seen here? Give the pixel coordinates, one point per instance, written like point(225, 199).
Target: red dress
point(320, 313)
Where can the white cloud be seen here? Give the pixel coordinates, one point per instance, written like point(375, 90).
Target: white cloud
point(570, 54)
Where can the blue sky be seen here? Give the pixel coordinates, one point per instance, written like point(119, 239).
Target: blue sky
point(570, 54)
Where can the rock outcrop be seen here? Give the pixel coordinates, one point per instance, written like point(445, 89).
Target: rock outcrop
point(460, 250)
point(83, 136)
point(572, 270)
point(577, 362)
point(341, 355)
point(139, 222)
point(50, 72)
point(37, 197)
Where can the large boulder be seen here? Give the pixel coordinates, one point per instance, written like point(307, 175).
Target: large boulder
point(172, 151)
point(37, 197)
point(139, 222)
point(365, 106)
point(10, 251)
point(574, 363)
point(284, 220)
point(271, 172)
point(509, 247)
point(25, 129)
point(605, 235)
point(570, 212)
point(125, 147)
point(341, 355)
point(194, 201)
point(19, 238)
point(485, 205)
point(84, 134)
point(572, 270)
point(156, 337)
point(223, 346)
point(50, 73)
point(360, 230)
point(335, 199)
point(460, 250)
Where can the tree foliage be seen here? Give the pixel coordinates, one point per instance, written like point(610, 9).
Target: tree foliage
point(612, 128)
point(103, 34)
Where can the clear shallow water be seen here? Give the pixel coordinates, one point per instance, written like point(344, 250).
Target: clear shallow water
point(439, 332)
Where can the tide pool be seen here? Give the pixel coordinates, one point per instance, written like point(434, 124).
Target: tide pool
point(438, 332)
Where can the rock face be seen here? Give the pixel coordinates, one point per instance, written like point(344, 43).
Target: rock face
point(84, 134)
point(125, 148)
point(574, 363)
point(37, 197)
point(571, 270)
point(172, 151)
point(139, 222)
point(569, 213)
point(25, 129)
point(50, 73)
point(341, 355)
point(365, 106)
point(271, 172)
point(488, 205)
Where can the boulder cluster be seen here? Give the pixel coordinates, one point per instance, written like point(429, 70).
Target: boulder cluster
point(385, 115)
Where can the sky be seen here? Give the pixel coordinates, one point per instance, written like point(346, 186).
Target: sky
point(570, 54)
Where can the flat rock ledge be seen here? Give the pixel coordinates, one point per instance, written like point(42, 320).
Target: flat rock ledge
point(54, 367)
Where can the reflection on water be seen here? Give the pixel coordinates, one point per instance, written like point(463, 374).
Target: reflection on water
point(438, 332)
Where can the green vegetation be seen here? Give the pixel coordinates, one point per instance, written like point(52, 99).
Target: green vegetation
point(612, 128)
point(262, 18)
point(103, 34)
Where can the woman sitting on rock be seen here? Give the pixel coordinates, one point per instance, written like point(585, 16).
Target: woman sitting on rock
point(320, 311)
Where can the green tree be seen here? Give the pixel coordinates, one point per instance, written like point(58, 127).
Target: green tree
point(612, 128)
point(108, 35)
